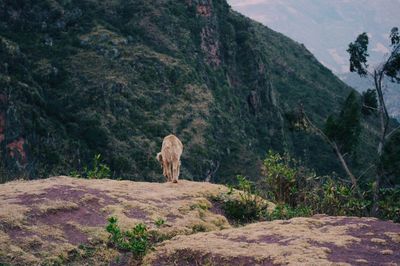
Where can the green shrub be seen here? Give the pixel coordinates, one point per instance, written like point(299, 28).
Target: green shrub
point(75, 173)
point(284, 212)
point(338, 198)
point(248, 207)
point(389, 204)
point(281, 180)
point(135, 240)
point(99, 170)
point(159, 222)
point(298, 191)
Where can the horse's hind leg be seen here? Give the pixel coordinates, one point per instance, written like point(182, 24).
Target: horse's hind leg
point(175, 172)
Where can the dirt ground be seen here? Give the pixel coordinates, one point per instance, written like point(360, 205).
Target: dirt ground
point(62, 220)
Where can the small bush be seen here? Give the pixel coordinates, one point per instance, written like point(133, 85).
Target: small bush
point(159, 222)
point(284, 212)
point(99, 170)
point(199, 228)
point(248, 207)
point(298, 190)
point(338, 198)
point(285, 181)
point(135, 240)
point(389, 204)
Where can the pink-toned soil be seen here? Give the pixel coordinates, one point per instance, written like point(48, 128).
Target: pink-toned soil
point(186, 257)
point(88, 213)
point(366, 249)
point(77, 211)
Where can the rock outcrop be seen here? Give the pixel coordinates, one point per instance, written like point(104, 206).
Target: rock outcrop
point(62, 220)
point(320, 240)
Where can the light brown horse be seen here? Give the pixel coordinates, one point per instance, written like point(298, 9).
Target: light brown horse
point(170, 156)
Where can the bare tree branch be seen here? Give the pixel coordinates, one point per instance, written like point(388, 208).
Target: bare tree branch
point(336, 149)
point(389, 135)
point(211, 172)
point(372, 165)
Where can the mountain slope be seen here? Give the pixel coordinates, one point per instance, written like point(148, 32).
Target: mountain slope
point(62, 220)
point(327, 27)
point(80, 78)
point(391, 91)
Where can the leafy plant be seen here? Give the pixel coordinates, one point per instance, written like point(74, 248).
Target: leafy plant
point(300, 192)
point(135, 240)
point(248, 207)
point(337, 198)
point(159, 222)
point(75, 174)
point(389, 203)
point(280, 181)
point(284, 212)
point(99, 170)
point(369, 102)
point(389, 68)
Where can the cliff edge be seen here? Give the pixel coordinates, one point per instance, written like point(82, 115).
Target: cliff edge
point(61, 220)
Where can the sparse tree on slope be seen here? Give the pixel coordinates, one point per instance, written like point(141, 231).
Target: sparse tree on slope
point(369, 102)
point(388, 68)
point(342, 133)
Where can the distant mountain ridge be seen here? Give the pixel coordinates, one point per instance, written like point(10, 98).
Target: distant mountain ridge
point(80, 78)
point(327, 27)
point(391, 90)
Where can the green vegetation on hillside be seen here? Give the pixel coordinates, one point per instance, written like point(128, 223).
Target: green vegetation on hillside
point(80, 78)
point(389, 68)
point(135, 240)
point(299, 191)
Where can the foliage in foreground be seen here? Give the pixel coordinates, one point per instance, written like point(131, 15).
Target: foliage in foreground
point(389, 204)
point(97, 171)
point(136, 240)
point(300, 192)
point(285, 212)
point(159, 222)
point(248, 207)
point(389, 68)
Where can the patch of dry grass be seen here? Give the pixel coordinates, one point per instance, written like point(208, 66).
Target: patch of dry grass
point(13, 254)
point(31, 208)
point(378, 241)
point(45, 221)
point(50, 206)
point(394, 236)
point(12, 214)
point(299, 241)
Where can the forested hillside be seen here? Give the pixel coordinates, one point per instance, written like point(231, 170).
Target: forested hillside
point(87, 77)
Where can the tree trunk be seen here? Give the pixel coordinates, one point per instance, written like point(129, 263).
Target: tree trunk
point(346, 168)
point(337, 151)
point(384, 121)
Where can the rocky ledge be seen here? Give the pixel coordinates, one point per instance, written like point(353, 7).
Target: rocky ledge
point(61, 220)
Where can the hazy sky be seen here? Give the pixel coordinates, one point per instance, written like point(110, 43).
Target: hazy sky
point(327, 26)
